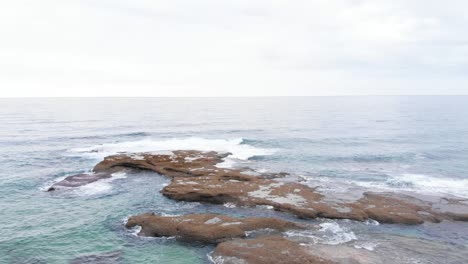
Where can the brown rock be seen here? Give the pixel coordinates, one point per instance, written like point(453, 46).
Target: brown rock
point(232, 186)
point(398, 209)
point(301, 200)
point(182, 163)
point(195, 177)
point(205, 228)
point(264, 250)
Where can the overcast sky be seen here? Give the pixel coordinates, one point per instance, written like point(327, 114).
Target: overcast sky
point(233, 47)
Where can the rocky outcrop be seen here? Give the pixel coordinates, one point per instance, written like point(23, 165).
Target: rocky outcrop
point(181, 163)
point(398, 209)
point(245, 190)
point(204, 228)
point(195, 177)
point(264, 250)
point(303, 201)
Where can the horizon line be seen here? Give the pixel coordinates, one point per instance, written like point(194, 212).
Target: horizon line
point(228, 96)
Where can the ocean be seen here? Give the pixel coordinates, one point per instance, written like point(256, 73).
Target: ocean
point(411, 144)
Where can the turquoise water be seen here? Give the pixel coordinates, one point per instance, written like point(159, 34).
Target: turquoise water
point(416, 144)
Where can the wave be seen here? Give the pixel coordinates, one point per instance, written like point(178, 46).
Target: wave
point(237, 147)
point(428, 183)
point(422, 183)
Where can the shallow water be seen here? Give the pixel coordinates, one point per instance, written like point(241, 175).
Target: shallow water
point(413, 144)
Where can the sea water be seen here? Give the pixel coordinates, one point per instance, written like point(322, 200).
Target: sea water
point(416, 144)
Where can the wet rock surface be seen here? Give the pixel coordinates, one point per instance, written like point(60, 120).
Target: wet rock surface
point(301, 200)
point(198, 177)
point(204, 228)
point(264, 250)
point(79, 180)
point(195, 177)
point(381, 248)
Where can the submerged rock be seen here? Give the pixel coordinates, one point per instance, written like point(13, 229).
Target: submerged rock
point(204, 228)
point(104, 258)
point(79, 180)
point(264, 250)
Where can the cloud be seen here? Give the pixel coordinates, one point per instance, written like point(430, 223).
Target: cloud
point(232, 47)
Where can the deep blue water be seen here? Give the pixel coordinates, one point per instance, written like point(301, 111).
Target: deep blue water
point(417, 144)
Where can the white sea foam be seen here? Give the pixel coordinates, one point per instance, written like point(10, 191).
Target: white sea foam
point(418, 183)
point(170, 215)
point(330, 233)
point(337, 234)
point(366, 245)
point(101, 186)
point(308, 234)
point(238, 150)
point(134, 230)
point(434, 184)
point(229, 205)
point(45, 187)
point(371, 222)
point(423, 184)
point(225, 259)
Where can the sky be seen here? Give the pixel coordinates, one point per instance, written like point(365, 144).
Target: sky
point(233, 47)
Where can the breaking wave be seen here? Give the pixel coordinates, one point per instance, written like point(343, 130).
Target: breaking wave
point(238, 149)
point(422, 183)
